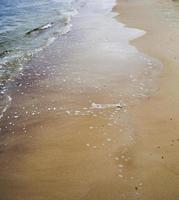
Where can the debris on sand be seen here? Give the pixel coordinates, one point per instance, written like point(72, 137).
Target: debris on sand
point(136, 188)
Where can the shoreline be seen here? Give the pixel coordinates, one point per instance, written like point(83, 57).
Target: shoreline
point(76, 125)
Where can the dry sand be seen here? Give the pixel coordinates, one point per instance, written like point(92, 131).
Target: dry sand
point(156, 120)
point(97, 119)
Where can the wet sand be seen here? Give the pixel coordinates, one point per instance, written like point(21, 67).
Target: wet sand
point(92, 117)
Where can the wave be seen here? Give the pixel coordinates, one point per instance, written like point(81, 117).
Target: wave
point(12, 61)
point(39, 29)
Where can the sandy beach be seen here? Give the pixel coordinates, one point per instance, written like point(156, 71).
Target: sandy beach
point(95, 116)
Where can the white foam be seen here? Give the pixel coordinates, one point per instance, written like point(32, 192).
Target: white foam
point(46, 26)
point(105, 106)
point(9, 99)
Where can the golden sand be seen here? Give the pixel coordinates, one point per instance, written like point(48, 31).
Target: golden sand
point(113, 136)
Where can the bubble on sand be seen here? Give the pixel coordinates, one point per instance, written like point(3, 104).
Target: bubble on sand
point(141, 184)
point(77, 112)
point(109, 124)
point(120, 165)
point(68, 112)
point(120, 176)
point(149, 63)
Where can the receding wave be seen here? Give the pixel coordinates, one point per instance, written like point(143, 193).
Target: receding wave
point(17, 44)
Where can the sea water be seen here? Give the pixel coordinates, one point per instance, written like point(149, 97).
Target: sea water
point(26, 27)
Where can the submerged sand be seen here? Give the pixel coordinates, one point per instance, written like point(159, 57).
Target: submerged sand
point(92, 117)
